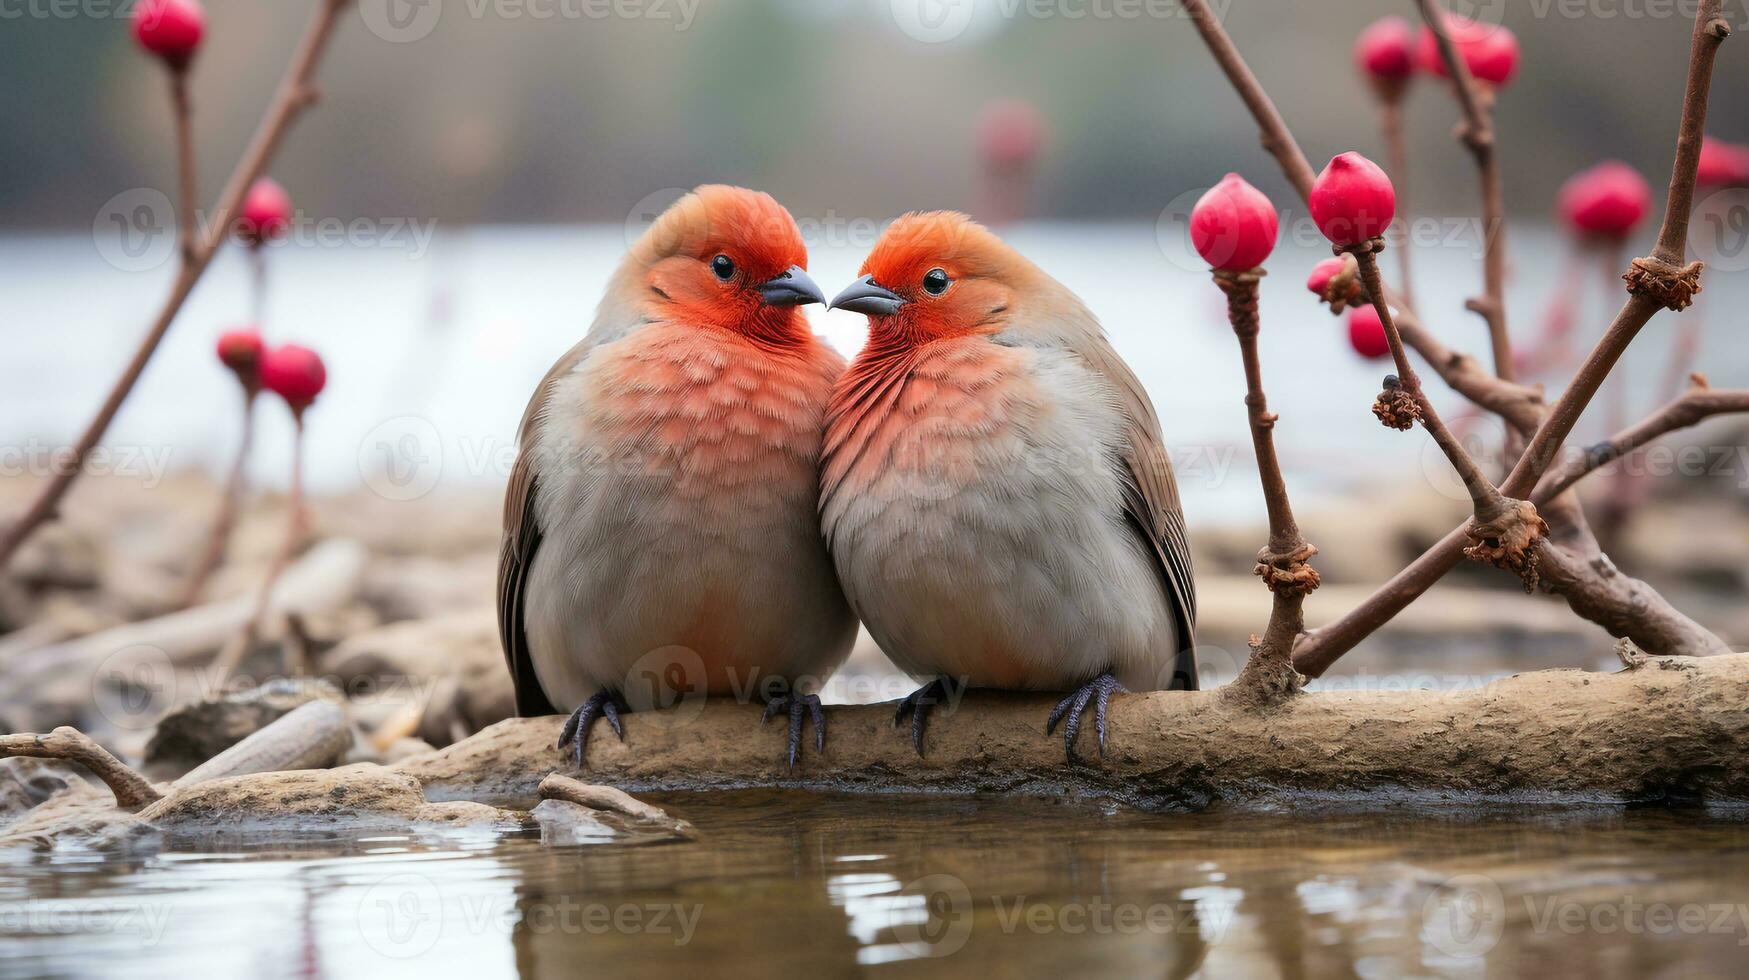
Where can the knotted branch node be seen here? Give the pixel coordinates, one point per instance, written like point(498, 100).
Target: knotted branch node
point(1241, 290)
point(1672, 286)
point(1508, 539)
point(1289, 573)
point(1396, 407)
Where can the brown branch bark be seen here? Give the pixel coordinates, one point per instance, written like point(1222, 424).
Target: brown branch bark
point(1323, 647)
point(1477, 134)
point(1691, 408)
point(294, 94)
point(189, 191)
point(1397, 153)
point(132, 791)
point(229, 504)
point(1285, 563)
point(1656, 281)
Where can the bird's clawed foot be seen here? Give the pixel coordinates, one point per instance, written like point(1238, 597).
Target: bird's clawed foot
point(800, 707)
point(917, 705)
point(1099, 691)
point(576, 731)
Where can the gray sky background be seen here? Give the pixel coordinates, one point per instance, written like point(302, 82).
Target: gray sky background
point(544, 111)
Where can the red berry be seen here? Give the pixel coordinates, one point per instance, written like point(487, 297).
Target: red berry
point(240, 349)
point(1722, 164)
point(293, 373)
point(1009, 134)
point(1366, 333)
point(1385, 51)
point(266, 213)
point(170, 29)
point(1319, 281)
point(1352, 200)
point(1490, 50)
point(1234, 226)
point(1606, 201)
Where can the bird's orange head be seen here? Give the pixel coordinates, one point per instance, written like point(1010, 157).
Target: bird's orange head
point(935, 275)
point(729, 258)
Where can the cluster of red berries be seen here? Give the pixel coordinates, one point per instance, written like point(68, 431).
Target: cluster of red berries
point(1234, 228)
point(1390, 52)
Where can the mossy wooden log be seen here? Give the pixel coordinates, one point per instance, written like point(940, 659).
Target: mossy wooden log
point(1669, 729)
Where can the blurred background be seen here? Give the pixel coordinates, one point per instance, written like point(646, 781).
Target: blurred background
point(475, 169)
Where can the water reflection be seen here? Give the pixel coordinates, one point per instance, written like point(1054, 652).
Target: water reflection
point(837, 885)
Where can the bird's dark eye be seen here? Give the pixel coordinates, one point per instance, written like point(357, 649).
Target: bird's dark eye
point(935, 282)
point(723, 266)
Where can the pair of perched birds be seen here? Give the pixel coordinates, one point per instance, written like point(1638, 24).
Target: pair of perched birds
point(706, 500)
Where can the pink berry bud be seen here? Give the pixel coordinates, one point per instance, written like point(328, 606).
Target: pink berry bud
point(266, 213)
point(1722, 164)
point(1352, 200)
point(1234, 226)
point(240, 349)
point(1336, 281)
point(1009, 134)
point(1489, 50)
point(1606, 201)
point(170, 29)
point(295, 374)
point(1385, 52)
point(1366, 333)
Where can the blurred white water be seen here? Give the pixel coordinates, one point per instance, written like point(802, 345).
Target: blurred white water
point(432, 354)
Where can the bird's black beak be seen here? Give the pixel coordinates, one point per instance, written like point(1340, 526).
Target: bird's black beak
point(791, 288)
point(867, 296)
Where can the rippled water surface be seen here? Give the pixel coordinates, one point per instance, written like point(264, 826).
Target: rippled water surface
point(826, 886)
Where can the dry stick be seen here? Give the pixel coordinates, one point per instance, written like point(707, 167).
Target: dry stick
point(1477, 134)
point(294, 94)
point(131, 789)
point(188, 191)
point(1656, 282)
point(1284, 564)
point(1691, 408)
point(1391, 125)
point(1522, 407)
point(228, 508)
point(297, 524)
point(1505, 531)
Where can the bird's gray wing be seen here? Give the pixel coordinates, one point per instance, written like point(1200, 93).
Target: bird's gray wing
point(1151, 497)
point(522, 538)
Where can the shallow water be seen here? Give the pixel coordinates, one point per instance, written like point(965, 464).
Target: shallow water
point(829, 885)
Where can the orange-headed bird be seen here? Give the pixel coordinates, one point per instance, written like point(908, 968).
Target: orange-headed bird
point(996, 494)
point(661, 531)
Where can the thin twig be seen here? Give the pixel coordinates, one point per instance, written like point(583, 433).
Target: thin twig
point(1396, 151)
point(1324, 646)
point(1689, 409)
point(131, 789)
point(296, 527)
point(1477, 134)
point(294, 94)
point(229, 505)
point(1518, 405)
point(1284, 564)
point(185, 162)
